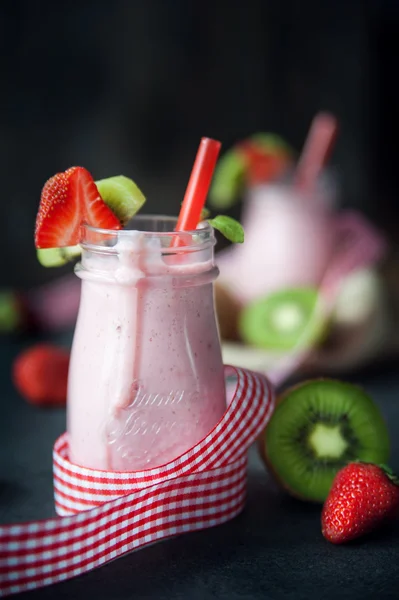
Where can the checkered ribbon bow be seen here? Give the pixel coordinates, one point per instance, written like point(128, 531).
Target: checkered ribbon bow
point(106, 514)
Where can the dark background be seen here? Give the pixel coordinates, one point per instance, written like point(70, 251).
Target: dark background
point(129, 86)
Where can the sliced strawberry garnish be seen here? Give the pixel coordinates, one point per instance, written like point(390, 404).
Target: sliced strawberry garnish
point(262, 165)
point(69, 199)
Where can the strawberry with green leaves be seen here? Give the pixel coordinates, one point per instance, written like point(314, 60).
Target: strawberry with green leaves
point(363, 496)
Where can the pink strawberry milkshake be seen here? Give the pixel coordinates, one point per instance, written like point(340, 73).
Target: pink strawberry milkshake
point(289, 242)
point(146, 376)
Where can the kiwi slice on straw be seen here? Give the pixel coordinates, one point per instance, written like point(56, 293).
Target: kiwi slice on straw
point(283, 320)
point(122, 196)
point(317, 427)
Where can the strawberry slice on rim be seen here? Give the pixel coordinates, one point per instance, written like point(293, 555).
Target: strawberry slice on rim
point(68, 200)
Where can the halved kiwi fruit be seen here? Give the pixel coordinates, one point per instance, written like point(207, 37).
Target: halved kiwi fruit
point(317, 427)
point(283, 320)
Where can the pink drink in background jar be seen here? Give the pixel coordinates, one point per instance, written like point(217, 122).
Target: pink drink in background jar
point(146, 376)
point(289, 240)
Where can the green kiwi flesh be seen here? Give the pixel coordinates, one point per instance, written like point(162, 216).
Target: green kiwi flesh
point(228, 180)
point(283, 320)
point(317, 428)
point(56, 257)
point(122, 196)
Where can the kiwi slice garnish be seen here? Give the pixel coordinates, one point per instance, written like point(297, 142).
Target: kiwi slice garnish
point(56, 257)
point(122, 196)
point(228, 180)
point(272, 144)
point(283, 320)
point(318, 427)
point(230, 174)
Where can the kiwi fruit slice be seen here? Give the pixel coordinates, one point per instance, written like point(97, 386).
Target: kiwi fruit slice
point(318, 427)
point(122, 196)
point(231, 169)
point(283, 320)
point(56, 257)
point(228, 180)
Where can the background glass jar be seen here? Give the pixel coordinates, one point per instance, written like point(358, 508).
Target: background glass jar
point(290, 237)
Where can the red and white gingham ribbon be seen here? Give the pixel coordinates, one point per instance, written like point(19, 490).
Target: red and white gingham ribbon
point(109, 514)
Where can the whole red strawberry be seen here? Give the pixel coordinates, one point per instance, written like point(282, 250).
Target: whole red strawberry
point(362, 497)
point(40, 374)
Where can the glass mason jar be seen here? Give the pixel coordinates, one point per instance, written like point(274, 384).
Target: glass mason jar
point(146, 377)
point(290, 239)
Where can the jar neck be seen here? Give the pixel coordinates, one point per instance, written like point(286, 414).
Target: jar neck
point(127, 256)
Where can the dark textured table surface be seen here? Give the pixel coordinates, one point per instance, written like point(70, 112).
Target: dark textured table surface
point(273, 550)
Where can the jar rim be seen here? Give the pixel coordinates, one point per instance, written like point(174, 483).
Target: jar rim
point(203, 227)
point(150, 228)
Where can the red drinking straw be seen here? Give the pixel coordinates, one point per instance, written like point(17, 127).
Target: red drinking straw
point(198, 186)
point(317, 150)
